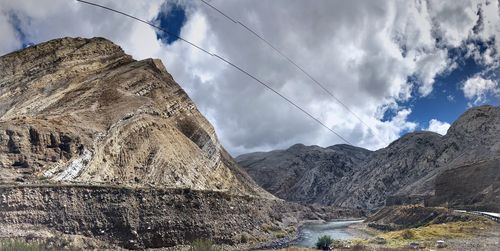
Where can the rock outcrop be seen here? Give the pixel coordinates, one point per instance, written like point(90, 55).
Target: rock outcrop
point(102, 151)
point(137, 218)
point(77, 110)
point(472, 187)
point(407, 167)
point(304, 173)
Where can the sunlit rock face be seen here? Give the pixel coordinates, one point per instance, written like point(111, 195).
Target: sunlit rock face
point(77, 110)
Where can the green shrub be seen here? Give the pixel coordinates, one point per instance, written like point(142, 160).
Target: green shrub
point(16, 245)
point(280, 234)
point(324, 242)
point(270, 228)
point(202, 245)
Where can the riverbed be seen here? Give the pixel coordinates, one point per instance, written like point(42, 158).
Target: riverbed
point(338, 230)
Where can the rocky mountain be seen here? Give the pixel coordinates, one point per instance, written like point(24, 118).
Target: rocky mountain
point(304, 173)
point(77, 110)
point(98, 150)
point(407, 167)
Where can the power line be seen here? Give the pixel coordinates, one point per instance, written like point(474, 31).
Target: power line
point(371, 130)
point(223, 60)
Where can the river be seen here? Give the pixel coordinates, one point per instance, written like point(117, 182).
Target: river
point(309, 233)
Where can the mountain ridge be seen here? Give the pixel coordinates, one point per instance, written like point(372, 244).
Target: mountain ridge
point(82, 111)
point(407, 166)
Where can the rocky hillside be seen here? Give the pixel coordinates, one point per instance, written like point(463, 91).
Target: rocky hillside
point(408, 166)
point(304, 173)
point(83, 217)
point(474, 187)
point(413, 216)
point(98, 150)
point(77, 110)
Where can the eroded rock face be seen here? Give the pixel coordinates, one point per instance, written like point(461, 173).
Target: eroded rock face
point(107, 152)
point(138, 218)
point(304, 173)
point(81, 110)
point(407, 167)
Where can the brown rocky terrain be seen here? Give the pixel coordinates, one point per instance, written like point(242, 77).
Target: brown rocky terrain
point(413, 216)
point(354, 177)
point(98, 150)
point(81, 110)
point(135, 218)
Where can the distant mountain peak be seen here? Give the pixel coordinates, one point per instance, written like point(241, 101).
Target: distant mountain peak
point(349, 176)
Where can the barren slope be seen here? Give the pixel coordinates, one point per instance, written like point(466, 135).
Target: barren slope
point(304, 173)
point(356, 178)
point(474, 187)
point(81, 110)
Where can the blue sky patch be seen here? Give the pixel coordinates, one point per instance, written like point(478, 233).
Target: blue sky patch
point(16, 24)
point(447, 101)
point(171, 18)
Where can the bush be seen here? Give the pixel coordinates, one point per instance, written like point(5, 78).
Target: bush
point(15, 245)
point(270, 228)
point(407, 234)
point(280, 234)
point(202, 245)
point(324, 242)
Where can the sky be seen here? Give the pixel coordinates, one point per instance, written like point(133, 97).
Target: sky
point(400, 66)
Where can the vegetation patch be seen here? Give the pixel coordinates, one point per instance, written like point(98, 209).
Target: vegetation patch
point(17, 245)
point(433, 232)
point(324, 242)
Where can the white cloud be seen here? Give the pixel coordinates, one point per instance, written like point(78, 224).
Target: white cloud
point(362, 51)
point(454, 20)
point(438, 126)
point(477, 89)
point(430, 65)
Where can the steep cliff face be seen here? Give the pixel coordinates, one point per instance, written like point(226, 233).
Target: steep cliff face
point(82, 111)
point(407, 167)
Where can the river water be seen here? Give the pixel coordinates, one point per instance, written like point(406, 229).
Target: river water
point(338, 230)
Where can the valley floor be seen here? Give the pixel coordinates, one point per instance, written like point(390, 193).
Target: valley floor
point(479, 234)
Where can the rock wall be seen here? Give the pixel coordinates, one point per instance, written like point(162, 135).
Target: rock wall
point(138, 218)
